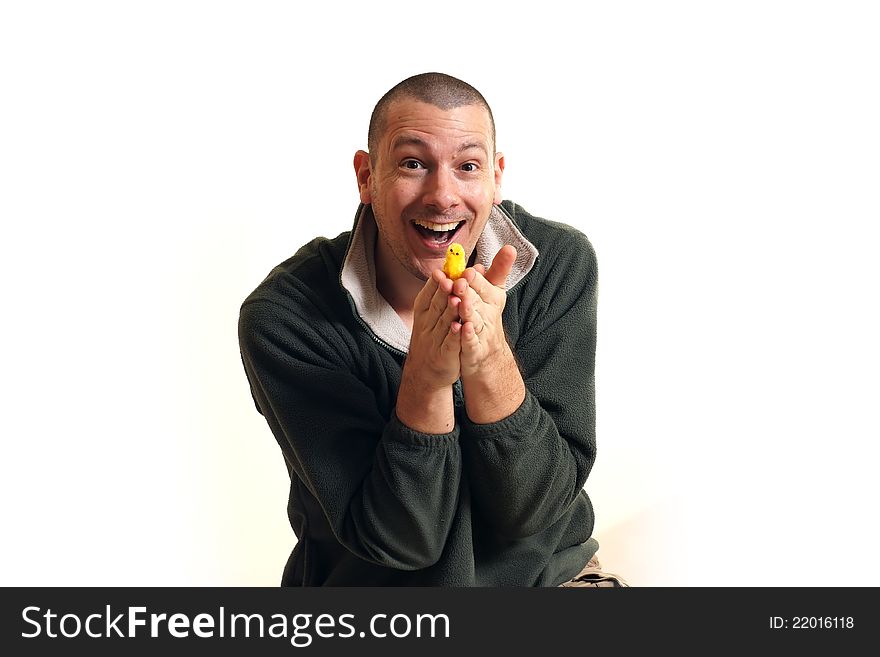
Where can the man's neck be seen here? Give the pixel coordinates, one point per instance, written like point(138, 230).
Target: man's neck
point(396, 285)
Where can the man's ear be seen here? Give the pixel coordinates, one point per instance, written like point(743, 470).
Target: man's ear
point(363, 171)
point(499, 170)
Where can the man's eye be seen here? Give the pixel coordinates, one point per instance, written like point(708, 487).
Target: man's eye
point(412, 164)
point(468, 167)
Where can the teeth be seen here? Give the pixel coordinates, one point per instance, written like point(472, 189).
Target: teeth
point(440, 228)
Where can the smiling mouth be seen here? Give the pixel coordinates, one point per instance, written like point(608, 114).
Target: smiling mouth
point(439, 234)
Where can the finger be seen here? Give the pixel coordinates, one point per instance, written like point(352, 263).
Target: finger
point(452, 342)
point(469, 338)
point(461, 287)
point(476, 282)
point(423, 298)
point(449, 315)
point(444, 282)
point(501, 266)
point(440, 299)
point(469, 310)
point(480, 268)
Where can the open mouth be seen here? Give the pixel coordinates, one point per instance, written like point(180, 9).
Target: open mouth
point(437, 235)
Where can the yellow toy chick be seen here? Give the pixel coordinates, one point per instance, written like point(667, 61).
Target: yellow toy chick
point(455, 262)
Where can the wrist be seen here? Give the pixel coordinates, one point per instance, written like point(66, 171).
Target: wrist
point(425, 406)
point(495, 391)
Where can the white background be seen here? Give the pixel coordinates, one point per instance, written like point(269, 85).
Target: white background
point(158, 158)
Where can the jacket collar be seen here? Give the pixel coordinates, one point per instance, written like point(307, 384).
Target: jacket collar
point(358, 276)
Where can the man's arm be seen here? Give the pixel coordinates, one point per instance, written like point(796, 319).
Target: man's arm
point(389, 492)
point(528, 466)
point(491, 382)
point(424, 399)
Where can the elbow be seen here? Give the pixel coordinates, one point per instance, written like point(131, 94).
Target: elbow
point(420, 561)
point(422, 549)
point(411, 555)
point(512, 526)
point(528, 519)
point(404, 554)
point(408, 547)
point(517, 530)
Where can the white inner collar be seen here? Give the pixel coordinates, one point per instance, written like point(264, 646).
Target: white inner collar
point(358, 275)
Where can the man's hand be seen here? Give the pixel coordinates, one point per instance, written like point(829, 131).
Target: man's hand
point(424, 401)
point(482, 301)
point(492, 384)
point(436, 335)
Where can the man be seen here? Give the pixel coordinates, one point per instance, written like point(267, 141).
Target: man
point(436, 432)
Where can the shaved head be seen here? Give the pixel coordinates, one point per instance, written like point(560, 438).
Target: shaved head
point(437, 89)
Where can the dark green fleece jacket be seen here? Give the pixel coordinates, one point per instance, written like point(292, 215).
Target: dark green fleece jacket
point(373, 502)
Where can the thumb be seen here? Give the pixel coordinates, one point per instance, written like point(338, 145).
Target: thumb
point(501, 266)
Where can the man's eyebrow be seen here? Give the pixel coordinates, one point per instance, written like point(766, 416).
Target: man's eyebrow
point(474, 144)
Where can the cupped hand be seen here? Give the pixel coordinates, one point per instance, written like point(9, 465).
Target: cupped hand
point(483, 298)
point(435, 345)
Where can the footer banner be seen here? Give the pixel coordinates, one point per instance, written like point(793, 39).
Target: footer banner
point(333, 621)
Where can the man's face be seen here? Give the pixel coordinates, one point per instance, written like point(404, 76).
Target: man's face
point(432, 181)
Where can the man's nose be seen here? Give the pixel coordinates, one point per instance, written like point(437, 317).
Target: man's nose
point(441, 190)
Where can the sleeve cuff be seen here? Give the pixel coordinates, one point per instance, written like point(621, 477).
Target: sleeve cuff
point(399, 433)
point(522, 418)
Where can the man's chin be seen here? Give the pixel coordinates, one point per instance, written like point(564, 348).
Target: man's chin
point(424, 268)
